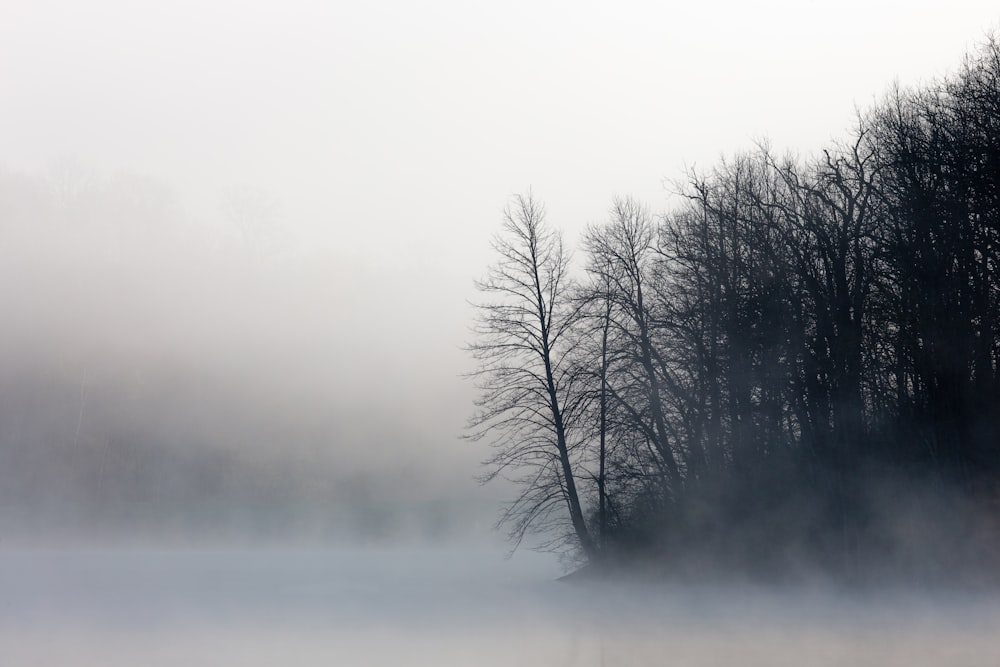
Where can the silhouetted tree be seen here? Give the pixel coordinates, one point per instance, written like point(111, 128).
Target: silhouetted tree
point(530, 403)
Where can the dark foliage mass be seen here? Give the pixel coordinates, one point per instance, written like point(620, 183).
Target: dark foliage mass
point(797, 368)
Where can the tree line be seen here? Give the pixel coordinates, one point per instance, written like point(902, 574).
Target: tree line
point(768, 371)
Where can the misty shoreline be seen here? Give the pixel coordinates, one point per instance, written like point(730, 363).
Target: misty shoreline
point(873, 582)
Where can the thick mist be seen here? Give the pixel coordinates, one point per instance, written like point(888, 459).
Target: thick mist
point(238, 252)
point(157, 378)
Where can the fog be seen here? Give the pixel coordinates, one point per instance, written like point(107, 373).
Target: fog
point(151, 370)
point(238, 243)
point(239, 239)
point(450, 607)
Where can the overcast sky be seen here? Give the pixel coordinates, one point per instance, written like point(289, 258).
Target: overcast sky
point(372, 147)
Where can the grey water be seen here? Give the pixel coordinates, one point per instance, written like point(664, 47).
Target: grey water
point(448, 606)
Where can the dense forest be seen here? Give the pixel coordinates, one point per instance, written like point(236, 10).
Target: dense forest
point(797, 368)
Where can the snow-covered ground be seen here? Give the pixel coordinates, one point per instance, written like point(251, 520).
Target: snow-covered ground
point(446, 606)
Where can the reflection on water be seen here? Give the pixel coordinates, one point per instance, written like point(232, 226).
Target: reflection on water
point(447, 607)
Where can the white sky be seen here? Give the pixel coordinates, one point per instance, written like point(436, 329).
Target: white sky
point(391, 134)
point(411, 123)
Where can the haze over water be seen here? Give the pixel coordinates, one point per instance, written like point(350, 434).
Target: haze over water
point(428, 606)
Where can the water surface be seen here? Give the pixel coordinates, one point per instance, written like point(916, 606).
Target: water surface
point(448, 606)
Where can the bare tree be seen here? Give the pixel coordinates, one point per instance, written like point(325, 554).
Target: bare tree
point(529, 403)
point(621, 252)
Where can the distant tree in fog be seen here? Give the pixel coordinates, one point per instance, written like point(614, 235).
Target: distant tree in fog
point(254, 212)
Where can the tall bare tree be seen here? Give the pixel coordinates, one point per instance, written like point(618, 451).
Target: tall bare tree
point(529, 401)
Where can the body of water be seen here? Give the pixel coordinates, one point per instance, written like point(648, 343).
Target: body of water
point(448, 606)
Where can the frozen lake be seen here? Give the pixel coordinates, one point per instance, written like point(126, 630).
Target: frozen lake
point(127, 607)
